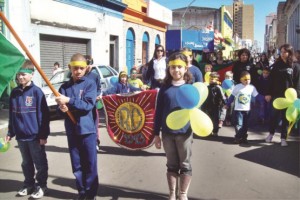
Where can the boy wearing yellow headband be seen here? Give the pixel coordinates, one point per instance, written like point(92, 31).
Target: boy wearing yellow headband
point(78, 96)
point(29, 120)
point(242, 94)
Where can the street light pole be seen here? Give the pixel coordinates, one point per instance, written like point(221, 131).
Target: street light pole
point(181, 21)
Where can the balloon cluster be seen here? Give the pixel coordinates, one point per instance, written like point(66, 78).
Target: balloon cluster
point(4, 146)
point(292, 103)
point(227, 86)
point(190, 98)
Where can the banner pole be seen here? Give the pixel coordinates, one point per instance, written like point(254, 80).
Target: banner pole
point(33, 60)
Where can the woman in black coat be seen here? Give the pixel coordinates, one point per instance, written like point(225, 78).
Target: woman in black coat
point(284, 75)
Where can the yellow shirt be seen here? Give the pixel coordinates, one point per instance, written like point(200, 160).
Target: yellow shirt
point(135, 82)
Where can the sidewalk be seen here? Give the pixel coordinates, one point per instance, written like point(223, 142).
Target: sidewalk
point(3, 122)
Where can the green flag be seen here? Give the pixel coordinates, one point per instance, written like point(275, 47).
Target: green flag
point(11, 60)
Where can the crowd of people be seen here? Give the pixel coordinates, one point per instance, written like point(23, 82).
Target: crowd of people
point(251, 81)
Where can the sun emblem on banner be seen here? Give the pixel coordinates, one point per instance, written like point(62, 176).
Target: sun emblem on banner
point(130, 119)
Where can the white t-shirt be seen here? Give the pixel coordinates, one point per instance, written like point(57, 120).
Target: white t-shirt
point(243, 94)
point(159, 67)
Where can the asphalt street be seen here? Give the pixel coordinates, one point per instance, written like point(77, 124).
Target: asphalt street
point(221, 169)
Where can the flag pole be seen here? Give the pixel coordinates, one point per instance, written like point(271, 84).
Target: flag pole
point(33, 60)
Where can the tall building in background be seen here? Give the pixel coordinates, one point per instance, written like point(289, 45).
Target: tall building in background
point(243, 19)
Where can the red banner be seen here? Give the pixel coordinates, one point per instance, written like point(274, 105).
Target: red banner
point(130, 118)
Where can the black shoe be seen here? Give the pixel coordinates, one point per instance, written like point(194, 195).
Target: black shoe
point(237, 140)
point(244, 141)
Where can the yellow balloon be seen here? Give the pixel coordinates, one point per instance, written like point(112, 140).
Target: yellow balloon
point(203, 91)
point(201, 123)
point(281, 103)
point(207, 77)
point(178, 119)
point(291, 94)
point(291, 114)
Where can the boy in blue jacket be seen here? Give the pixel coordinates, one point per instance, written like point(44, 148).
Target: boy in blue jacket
point(78, 96)
point(29, 121)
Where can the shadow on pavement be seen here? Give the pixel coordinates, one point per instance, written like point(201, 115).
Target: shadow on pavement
point(125, 152)
point(285, 159)
point(114, 192)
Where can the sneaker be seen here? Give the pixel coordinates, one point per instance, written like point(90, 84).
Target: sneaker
point(39, 192)
point(220, 124)
point(284, 143)
point(269, 138)
point(214, 134)
point(25, 191)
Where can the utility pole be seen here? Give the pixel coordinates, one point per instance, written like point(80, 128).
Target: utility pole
point(181, 21)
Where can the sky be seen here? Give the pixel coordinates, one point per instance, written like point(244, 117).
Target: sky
point(262, 8)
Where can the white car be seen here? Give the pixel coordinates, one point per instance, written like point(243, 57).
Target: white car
point(105, 73)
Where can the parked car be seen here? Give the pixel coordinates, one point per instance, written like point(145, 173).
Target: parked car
point(105, 73)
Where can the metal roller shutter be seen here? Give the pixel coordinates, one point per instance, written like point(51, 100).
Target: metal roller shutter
point(59, 49)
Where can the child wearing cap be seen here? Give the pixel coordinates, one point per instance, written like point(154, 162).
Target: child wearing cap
point(122, 87)
point(242, 94)
point(227, 92)
point(78, 96)
point(133, 80)
point(29, 120)
point(214, 102)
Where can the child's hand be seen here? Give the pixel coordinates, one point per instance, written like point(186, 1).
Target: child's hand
point(157, 142)
point(60, 100)
point(99, 97)
point(63, 108)
point(43, 141)
point(144, 87)
point(7, 138)
point(225, 107)
point(268, 98)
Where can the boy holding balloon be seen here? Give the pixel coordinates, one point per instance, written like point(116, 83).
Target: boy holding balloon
point(29, 120)
point(177, 143)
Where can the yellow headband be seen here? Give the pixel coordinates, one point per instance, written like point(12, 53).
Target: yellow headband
point(246, 77)
point(177, 62)
point(78, 64)
point(187, 53)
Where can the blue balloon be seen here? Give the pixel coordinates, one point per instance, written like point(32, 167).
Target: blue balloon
point(227, 84)
point(297, 104)
point(114, 81)
point(187, 96)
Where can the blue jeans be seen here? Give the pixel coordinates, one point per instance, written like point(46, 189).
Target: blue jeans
point(34, 154)
point(178, 148)
point(241, 119)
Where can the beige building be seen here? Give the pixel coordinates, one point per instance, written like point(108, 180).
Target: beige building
point(243, 19)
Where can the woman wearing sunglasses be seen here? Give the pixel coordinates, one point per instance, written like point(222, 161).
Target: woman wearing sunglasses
point(157, 67)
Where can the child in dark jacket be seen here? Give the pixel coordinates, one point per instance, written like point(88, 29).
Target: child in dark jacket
point(214, 102)
point(29, 120)
point(78, 96)
point(263, 83)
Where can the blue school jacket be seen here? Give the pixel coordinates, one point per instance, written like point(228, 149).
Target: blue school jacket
point(29, 115)
point(82, 95)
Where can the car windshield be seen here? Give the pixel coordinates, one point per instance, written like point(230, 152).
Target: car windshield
point(60, 77)
point(107, 72)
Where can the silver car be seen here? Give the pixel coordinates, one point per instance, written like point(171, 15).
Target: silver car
point(105, 73)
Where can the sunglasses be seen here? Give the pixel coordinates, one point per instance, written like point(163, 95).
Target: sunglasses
point(159, 50)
